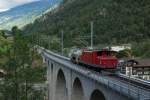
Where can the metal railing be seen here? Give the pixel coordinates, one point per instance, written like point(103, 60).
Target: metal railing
point(136, 94)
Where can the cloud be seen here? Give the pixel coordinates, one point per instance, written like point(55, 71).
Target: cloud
point(8, 4)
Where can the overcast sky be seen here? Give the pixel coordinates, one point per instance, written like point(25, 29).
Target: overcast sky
point(8, 4)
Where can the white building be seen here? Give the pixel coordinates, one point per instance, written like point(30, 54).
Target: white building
point(120, 48)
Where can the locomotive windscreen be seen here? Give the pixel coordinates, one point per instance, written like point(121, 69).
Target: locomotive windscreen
point(99, 53)
point(106, 53)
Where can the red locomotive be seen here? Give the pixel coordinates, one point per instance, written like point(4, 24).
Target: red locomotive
point(102, 59)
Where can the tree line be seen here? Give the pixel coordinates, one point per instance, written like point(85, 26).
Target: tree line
point(21, 74)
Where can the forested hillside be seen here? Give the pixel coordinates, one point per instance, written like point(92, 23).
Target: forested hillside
point(115, 21)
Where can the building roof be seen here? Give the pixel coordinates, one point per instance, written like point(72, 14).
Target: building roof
point(142, 63)
point(137, 62)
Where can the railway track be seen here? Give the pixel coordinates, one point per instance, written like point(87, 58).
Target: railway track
point(131, 80)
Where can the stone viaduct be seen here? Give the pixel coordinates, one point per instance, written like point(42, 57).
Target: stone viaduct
point(67, 81)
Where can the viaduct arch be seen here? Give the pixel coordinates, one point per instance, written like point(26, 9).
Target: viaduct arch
point(77, 90)
point(61, 89)
point(97, 95)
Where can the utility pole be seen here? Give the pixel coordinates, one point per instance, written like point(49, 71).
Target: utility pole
point(49, 42)
point(38, 39)
point(92, 31)
point(62, 41)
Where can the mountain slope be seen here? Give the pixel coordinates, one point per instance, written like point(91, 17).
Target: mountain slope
point(115, 21)
point(24, 14)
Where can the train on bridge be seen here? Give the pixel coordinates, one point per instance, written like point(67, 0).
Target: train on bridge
point(99, 59)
